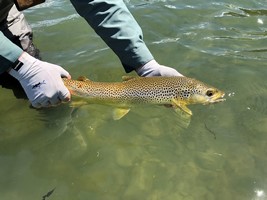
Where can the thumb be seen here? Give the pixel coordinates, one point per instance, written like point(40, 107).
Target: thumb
point(64, 94)
point(63, 73)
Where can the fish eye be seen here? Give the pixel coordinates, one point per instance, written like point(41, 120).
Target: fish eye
point(209, 93)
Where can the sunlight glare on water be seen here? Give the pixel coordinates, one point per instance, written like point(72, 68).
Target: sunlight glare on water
point(81, 153)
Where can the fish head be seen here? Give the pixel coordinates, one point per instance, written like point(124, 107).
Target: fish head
point(204, 94)
point(201, 93)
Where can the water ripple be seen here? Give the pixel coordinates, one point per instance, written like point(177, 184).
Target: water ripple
point(47, 4)
point(166, 40)
point(252, 12)
point(52, 22)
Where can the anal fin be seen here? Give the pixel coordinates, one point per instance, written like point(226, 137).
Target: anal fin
point(78, 103)
point(119, 113)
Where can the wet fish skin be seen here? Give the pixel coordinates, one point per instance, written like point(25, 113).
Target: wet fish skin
point(176, 91)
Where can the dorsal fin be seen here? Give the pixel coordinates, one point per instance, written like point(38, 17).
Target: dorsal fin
point(127, 78)
point(83, 78)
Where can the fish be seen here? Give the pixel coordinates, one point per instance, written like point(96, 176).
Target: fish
point(177, 92)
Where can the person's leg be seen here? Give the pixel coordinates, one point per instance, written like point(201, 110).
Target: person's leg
point(16, 29)
point(21, 32)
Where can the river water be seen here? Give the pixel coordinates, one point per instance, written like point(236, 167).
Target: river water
point(82, 153)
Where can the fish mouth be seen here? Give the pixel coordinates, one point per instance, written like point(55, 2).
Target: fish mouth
point(217, 98)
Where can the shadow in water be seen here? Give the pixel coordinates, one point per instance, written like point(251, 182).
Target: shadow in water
point(7, 81)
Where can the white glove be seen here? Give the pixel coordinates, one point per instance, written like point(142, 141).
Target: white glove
point(41, 81)
point(152, 68)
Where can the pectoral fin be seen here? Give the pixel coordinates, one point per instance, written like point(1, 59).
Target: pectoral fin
point(78, 103)
point(119, 113)
point(182, 106)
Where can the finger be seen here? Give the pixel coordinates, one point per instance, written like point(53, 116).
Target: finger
point(46, 104)
point(36, 105)
point(64, 73)
point(55, 101)
point(69, 77)
point(64, 95)
point(41, 105)
point(42, 102)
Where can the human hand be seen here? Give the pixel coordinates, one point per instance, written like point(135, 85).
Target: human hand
point(152, 68)
point(41, 81)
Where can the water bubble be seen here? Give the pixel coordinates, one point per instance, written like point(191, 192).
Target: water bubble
point(259, 21)
point(260, 194)
point(231, 94)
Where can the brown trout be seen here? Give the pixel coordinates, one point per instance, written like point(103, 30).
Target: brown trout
point(175, 91)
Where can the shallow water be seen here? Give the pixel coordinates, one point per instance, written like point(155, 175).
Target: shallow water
point(83, 154)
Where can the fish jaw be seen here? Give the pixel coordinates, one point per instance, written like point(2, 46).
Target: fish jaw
point(216, 98)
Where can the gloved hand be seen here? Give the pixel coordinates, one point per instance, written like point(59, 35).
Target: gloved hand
point(152, 68)
point(41, 81)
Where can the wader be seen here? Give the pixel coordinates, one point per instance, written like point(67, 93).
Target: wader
point(17, 29)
